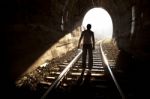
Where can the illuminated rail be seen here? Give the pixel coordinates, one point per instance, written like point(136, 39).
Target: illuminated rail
point(62, 75)
point(105, 60)
point(102, 64)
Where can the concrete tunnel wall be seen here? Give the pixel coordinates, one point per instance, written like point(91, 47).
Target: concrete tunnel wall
point(34, 26)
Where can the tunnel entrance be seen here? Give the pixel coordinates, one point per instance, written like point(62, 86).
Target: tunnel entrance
point(101, 22)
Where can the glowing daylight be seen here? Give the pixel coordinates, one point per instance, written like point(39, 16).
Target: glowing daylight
point(101, 23)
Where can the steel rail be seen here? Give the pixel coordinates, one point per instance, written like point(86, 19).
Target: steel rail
point(110, 71)
point(62, 75)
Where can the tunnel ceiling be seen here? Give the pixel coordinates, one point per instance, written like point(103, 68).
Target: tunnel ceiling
point(50, 12)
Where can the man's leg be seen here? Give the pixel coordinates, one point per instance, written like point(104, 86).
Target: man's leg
point(90, 57)
point(84, 54)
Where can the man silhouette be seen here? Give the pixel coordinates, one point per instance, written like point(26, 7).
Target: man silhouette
point(88, 46)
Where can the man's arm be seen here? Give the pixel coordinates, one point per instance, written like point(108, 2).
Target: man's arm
point(80, 40)
point(93, 39)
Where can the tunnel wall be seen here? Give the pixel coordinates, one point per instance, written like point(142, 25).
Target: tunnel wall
point(34, 26)
point(140, 40)
point(60, 48)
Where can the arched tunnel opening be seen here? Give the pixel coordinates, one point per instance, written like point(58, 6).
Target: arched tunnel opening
point(38, 32)
point(101, 22)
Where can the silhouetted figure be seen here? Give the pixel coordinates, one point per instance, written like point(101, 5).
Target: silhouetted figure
point(88, 46)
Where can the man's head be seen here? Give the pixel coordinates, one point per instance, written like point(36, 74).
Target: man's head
point(88, 26)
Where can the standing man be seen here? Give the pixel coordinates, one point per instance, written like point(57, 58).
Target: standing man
point(88, 46)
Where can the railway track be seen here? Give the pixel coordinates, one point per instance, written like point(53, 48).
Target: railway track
point(69, 79)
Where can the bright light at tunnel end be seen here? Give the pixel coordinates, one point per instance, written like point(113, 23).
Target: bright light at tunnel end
point(101, 23)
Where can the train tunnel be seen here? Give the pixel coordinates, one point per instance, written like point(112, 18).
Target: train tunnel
point(41, 30)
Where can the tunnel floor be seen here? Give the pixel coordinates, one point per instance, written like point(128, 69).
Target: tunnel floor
point(127, 71)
